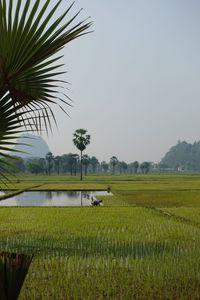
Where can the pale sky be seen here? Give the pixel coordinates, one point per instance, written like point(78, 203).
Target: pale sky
point(135, 81)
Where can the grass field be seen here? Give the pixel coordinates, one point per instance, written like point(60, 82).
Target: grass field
point(143, 244)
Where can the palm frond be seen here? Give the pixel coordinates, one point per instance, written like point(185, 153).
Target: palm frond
point(31, 38)
point(11, 127)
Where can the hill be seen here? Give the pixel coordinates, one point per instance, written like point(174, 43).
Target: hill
point(37, 147)
point(183, 155)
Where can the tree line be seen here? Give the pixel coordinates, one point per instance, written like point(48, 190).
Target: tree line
point(73, 163)
point(70, 164)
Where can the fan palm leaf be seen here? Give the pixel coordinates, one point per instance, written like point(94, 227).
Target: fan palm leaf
point(30, 82)
point(29, 69)
point(11, 127)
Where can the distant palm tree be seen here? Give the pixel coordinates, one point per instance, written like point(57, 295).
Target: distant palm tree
point(31, 38)
point(122, 167)
point(42, 163)
point(81, 140)
point(135, 166)
point(104, 166)
point(94, 162)
point(75, 162)
point(86, 162)
point(57, 160)
point(72, 162)
point(113, 161)
point(49, 158)
point(145, 167)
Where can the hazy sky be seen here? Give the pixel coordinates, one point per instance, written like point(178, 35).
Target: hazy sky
point(135, 81)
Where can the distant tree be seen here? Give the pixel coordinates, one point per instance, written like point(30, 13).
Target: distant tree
point(104, 166)
point(75, 162)
point(81, 140)
point(15, 164)
point(86, 162)
point(94, 162)
point(70, 162)
point(64, 163)
point(120, 167)
point(123, 167)
point(57, 161)
point(145, 167)
point(34, 166)
point(43, 165)
point(113, 162)
point(19, 163)
point(142, 168)
point(49, 159)
point(135, 166)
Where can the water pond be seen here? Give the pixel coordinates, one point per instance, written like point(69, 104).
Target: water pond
point(53, 198)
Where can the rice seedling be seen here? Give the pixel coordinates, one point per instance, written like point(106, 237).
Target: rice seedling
point(120, 251)
point(79, 252)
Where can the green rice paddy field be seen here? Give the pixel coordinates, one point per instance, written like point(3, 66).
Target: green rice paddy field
point(144, 243)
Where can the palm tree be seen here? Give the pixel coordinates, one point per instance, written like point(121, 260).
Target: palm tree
point(94, 162)
point(76, 160)
point(104, 166)
point(81, 140)
point(135, 166)
point(86, 162)
point(113, 161)
point(72, 162)
point(31, 38)
point(145, 167)
point(49, 159)
point(123, 166)
point(57, 161)
point(43, 165)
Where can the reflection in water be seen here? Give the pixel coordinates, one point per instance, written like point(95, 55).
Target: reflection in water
point(49, 195)
point(53, 198)
point(72, 194)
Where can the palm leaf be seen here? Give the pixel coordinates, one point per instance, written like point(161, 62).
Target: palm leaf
point(29, 64)
point(30, 82)
point(11, 127)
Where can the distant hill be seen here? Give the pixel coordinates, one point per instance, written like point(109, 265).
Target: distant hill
point(183, 155)
point(37, 146)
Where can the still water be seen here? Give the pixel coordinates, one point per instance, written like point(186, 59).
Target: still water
point(53, 198)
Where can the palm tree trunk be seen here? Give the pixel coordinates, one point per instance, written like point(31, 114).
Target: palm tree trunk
point(81, 167)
